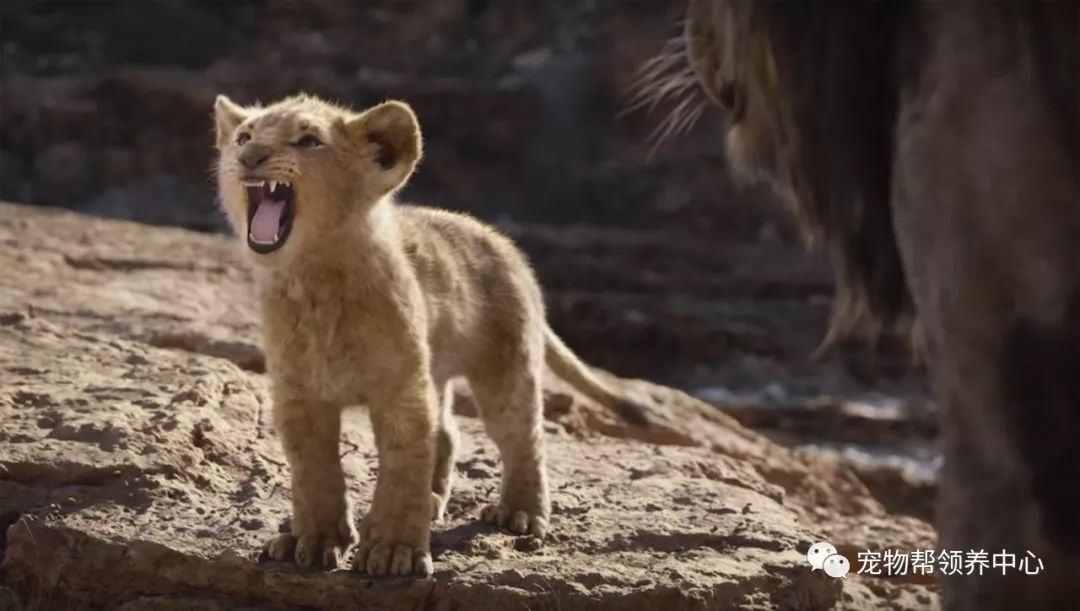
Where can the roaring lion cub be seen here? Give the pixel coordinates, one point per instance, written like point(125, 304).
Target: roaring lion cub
point(365, 301)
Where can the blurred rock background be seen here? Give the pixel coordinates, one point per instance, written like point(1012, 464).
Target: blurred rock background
point(655, 264)
point(106, 104)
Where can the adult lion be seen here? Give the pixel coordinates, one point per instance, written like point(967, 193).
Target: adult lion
point(933, 150)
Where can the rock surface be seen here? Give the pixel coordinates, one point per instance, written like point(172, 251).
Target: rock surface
point(138, 468)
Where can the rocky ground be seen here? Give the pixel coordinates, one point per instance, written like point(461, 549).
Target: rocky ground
point(138, 468)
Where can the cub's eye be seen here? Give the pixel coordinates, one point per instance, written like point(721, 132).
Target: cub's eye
point(308, 142)
point(242, 138)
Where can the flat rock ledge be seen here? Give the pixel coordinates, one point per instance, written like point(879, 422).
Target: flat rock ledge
point(139, 469)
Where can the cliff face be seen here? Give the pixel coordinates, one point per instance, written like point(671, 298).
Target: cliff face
point(139, 469)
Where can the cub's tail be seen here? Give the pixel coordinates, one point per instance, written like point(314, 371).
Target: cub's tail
point(570, 368)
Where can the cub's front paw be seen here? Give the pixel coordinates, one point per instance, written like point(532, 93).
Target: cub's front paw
point(394, 546)
point(324, 547)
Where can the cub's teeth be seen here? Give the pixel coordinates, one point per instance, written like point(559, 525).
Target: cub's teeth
point(273, 186)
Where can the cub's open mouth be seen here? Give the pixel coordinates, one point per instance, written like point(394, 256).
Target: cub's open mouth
point(270, 212)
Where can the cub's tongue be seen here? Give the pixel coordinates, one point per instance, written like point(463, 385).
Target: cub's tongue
point(267, 220)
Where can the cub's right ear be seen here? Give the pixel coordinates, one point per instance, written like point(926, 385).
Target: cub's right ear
point(227, 115)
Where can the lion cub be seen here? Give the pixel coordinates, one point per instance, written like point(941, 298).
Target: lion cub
point(365, 301)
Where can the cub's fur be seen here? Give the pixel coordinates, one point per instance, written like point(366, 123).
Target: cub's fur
point(365, 301)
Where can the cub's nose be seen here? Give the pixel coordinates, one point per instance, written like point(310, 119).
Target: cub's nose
point(253, 155)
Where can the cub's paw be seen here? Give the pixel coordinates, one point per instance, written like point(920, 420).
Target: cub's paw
point(387, 548)
point(308, 550)
point(325, 547)
point(516, 521)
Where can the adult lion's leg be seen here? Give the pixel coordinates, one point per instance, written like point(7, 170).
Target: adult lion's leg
point(987, 210)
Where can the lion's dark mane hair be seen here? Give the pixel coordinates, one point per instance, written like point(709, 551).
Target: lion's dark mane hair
point(815, 90)
point(944, 137)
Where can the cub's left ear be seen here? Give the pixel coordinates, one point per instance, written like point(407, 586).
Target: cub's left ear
point(392, 134)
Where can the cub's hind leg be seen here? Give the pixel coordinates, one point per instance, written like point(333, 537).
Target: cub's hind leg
point(446, 442)
point(510, 403)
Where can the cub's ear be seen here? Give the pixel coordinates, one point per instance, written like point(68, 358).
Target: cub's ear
point(227, 115)
point(391, 133)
